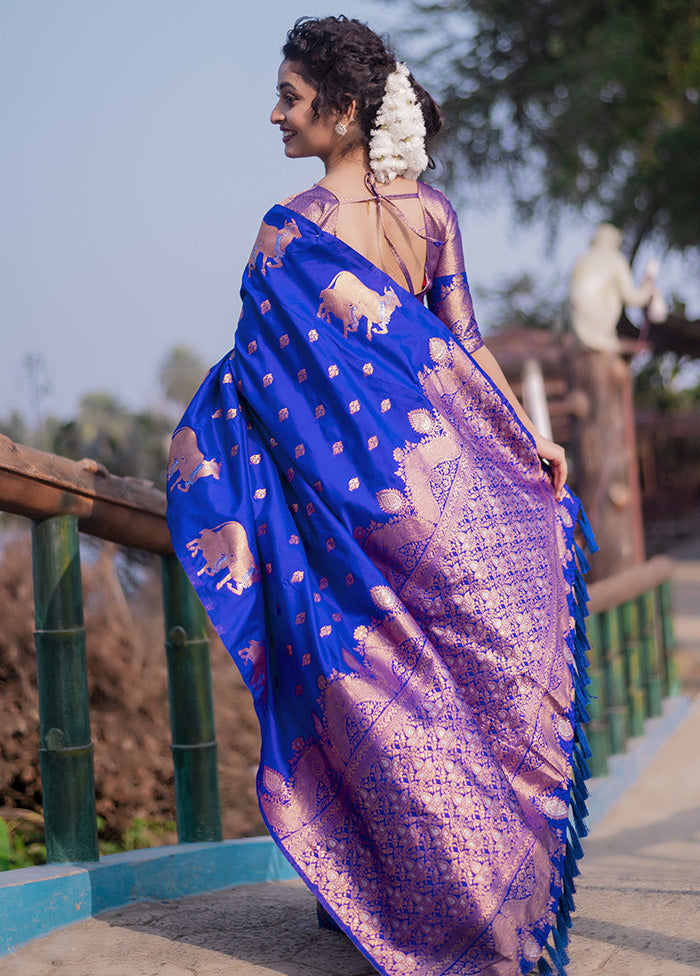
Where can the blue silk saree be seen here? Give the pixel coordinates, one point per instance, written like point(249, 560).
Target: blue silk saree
point(378, 545)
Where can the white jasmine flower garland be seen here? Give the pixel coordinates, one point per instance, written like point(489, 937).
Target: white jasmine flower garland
point(397, 146)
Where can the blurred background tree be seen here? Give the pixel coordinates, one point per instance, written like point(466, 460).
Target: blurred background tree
point(590, 105)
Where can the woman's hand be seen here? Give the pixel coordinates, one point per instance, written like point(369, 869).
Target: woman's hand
point(554, 455)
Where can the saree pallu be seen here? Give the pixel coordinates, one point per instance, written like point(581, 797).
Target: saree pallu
point(376, 541)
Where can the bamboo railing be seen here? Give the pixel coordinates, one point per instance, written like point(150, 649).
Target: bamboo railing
point(631, 666)
point(62, 497)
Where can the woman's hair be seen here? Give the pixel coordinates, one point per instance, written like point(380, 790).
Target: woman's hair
point(344, 60)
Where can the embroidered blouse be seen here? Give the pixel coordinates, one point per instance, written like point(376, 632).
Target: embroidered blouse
point(445, 282)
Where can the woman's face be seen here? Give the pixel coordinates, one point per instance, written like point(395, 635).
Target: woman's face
point(301, 135)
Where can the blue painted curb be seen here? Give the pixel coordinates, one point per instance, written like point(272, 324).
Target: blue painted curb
point(36, 901)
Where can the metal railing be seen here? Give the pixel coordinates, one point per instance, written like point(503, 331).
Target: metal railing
point(61, 497)
point(631, 666)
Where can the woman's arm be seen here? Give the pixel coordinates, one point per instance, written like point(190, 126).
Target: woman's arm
point(550, 452)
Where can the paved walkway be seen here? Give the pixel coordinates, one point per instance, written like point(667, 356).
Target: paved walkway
point(638, 903)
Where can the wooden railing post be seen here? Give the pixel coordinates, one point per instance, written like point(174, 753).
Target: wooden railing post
point(65, 751)
point(191, 709)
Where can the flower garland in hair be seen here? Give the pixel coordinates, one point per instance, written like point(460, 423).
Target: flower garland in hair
point(397, 146)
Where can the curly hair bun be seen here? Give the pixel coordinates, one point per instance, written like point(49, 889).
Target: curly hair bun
point(344, 61)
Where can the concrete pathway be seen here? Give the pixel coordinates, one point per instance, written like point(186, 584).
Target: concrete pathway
point(638, 902)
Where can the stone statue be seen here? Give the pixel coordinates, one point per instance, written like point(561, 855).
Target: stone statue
point(601, 285)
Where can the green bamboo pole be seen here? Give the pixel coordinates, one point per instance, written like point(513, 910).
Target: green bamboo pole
point(65, 751)
point(631, 642)
point(614, 671)
point(671, 681)
point(191, 709)
point(598, 728)
point(653, 678)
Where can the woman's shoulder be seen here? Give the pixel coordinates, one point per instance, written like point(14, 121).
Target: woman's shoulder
point(439, 208)
point(316, 204)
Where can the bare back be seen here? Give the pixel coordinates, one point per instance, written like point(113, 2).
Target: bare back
point(389, 233)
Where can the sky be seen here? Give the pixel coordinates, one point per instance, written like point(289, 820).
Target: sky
point(137, 162)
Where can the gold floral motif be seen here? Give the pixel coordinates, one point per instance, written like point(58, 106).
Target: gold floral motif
point(267, 379)
point(290, 474)
point(438, 350)
point(273, 442)
point(318, 487)
point(284, 340)
point(234, 450)
point(354, 406)
point(268, 568)
point(313, 335)
point(231, 413)
point(368, 369)
point(349, 579)
point(252, 347)
point(385, 405)
point(297, 576)
point(325, 630)
point(265, 306)
point(260, 493)
point(300, 618)
point(372, 442)
point(338, 447)
point(262, 528)
point(323, 582)
point(294, 540)
point(283, 413)
point(217, 413)
point(390, 500)
point(228, 378)
point(255, 458)
point(299, 451)
point(420, 420)
point(354, 484)
point(330, 544)
point(319, 411)
point(306, 660)
point(317, 597)
point(310, 508)
point(333, 370)
point(384, 597)
point(301, 375)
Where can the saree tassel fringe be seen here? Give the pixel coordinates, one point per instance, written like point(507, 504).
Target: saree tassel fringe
point(576, 826)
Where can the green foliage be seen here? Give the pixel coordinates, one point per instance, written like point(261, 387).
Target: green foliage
point(180, 374)
point(599, 98)
point(525, 301)
point(667, 383)
point(140, 834)
point(22, 840)
point(21, 844)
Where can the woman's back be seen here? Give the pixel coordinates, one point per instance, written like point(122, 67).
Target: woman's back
point(403, 230)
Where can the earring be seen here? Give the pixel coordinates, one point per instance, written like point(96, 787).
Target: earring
point(341, 128)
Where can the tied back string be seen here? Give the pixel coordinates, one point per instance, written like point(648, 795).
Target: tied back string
point(382, 200)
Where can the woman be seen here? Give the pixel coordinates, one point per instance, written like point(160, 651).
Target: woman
point(362, 506)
